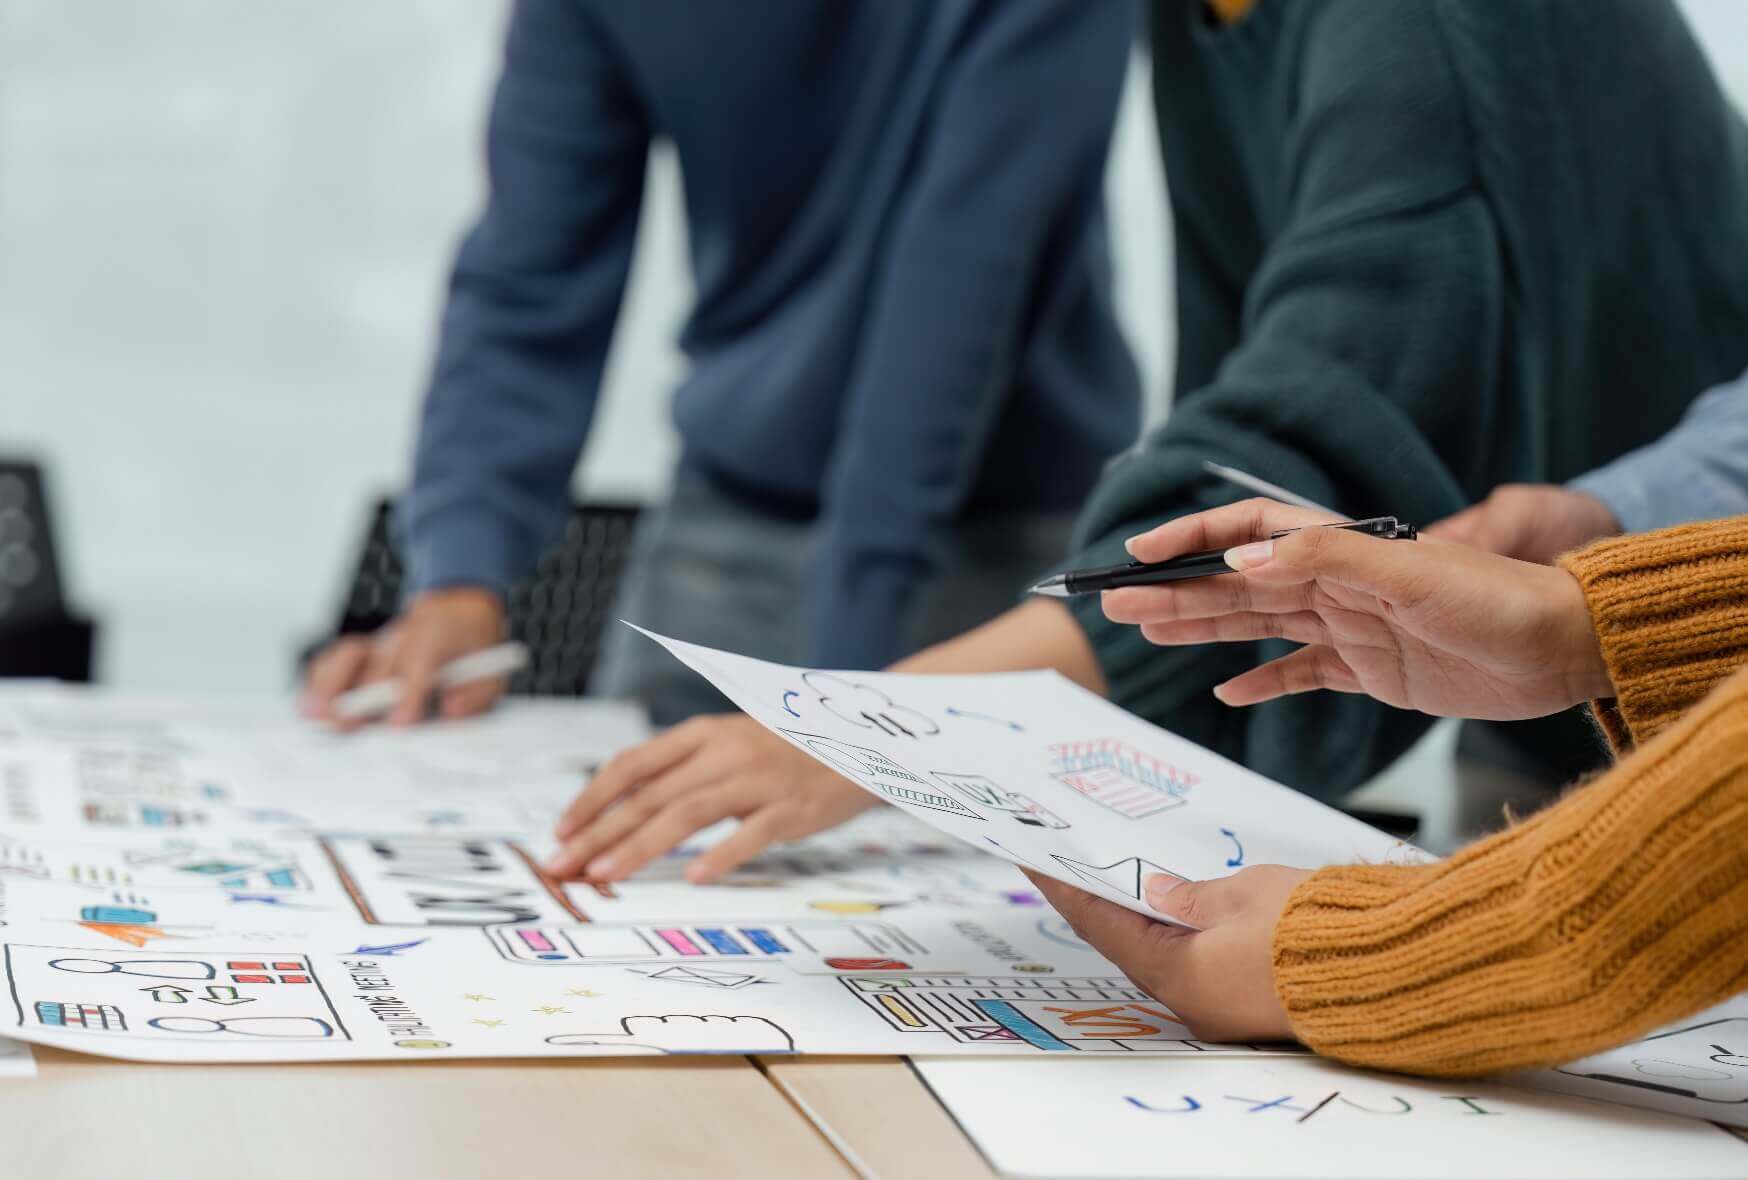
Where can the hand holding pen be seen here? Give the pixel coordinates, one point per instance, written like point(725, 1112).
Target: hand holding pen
point(1433, 626)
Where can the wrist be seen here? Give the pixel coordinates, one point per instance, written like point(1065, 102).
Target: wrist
point(477, 603)
point(1586, 676)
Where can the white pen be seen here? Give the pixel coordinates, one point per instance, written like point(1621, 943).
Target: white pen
point(372, 700)
point(1263, 487)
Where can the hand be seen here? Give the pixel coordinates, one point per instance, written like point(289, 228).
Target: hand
point(1424, 625)
point(1217, 978)
point(438, 626)
point(1530, 521)
point(650, 798)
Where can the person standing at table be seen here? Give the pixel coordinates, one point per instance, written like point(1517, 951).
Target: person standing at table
point(905, 369)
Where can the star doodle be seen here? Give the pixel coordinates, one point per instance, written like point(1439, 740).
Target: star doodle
point(489, 1023)
point(552, 1010)
point(476, 997)
point(582, 993)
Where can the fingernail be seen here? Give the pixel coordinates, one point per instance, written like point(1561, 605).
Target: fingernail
point(1250, 556)
point(1129, 545)
point(1222, 694)
point(557, 865)
point(697, 874)
point(1159, 887)
point(601, 869)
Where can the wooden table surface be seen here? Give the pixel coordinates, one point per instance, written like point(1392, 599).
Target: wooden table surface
point(89, 1117)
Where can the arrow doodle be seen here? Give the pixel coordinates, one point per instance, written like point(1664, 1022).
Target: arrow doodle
point(168, 993)
point(1237, 858)
point(388, 950)
point(1013, 725)
point(224, 994)
point(786, 707)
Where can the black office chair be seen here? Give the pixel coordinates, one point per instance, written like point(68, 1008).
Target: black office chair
point(560, 612)
point(39, 635)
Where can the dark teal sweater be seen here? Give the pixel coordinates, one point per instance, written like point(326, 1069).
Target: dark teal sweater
point(1423, 247)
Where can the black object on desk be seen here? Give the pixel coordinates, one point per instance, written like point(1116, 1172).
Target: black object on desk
point(39, 636)
point(560, 612)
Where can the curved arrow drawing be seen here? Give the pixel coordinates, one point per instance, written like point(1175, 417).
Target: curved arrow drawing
point(1237, 858)
point(786, 708)
point(1013, 725)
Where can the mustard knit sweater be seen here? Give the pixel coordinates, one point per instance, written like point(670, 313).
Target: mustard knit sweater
point(1619, 909)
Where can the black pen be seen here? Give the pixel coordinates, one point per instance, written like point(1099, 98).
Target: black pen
point(1193, 565)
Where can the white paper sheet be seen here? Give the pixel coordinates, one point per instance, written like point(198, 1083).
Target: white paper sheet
point(1034, 769)
point(1697, 1067)
point(245, 886)
point(1263, 1119)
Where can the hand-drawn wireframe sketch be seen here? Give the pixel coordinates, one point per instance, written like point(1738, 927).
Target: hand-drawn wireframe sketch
point(1102, 1015)
point(284, 1028)
point(687, 1034)
point(988, 718)
point(429, 880)
point(1115, 774)
point(878, 772)
point(196, 994)
point(982, 789)
point(1127, 876)
point(1706, 1062)
point(803, 945)
point(867, 707)
point(703, 976)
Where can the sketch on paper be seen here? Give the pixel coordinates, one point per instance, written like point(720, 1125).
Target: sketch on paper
point(824, 943)
point(1116, 775)
point(866, 707)
point(686, 1034)
point(430, 880)
point(985, 791)
point(1706, 1062)
point(1127, 876)
point(878, 772)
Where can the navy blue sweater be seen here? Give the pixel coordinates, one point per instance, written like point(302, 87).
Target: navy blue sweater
point(903, 315)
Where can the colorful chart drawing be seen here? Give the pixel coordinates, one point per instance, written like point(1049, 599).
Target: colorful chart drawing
point(1116, 775)
point(866, 707)
point(96, 1017)
point(1099, 1015)
point(816, 942)
point(703, 977)
point(430, 880)
point(1127, 876)
point(881, 773)
point(1707, 1062)
point(982, 789)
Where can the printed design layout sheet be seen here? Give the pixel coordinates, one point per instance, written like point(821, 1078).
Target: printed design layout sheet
point(1696, 1067)
point(1038, 771)
point(235, 885)
point(1266, 1118)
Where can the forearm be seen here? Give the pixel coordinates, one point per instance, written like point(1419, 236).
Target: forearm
point(1035, 634)
point(1618, 910)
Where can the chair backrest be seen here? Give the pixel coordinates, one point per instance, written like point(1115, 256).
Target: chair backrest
point(39, 635)
point(560, 611)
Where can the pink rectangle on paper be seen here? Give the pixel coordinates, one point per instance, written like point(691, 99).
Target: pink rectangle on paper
point(678, 940)
point(536, 940)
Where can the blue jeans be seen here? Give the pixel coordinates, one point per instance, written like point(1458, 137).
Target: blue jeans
point(711, 570)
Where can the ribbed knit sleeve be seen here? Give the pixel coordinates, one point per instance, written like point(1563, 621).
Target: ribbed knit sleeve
point(1618, 910)
point(1671, 610)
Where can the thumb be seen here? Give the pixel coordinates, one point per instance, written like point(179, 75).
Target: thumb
point(1197, 904)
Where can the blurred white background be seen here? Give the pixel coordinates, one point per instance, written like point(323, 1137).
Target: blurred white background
point(224, 231)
